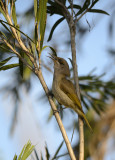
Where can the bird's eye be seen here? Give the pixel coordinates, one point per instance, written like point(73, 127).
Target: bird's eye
point(61, 62)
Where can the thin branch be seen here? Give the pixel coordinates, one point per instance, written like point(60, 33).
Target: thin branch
point(65, 11)
point(22, 59)
point(76, 20)
point(38, 72)
point(59, 121)
point(71, 4)
point(72, 27)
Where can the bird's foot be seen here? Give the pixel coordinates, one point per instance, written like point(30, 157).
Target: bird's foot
point(55, 111)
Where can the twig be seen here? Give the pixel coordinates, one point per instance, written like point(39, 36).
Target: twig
point(22, 59)
point(59, 121)
point(72, 27)
point(38, 72)
point(65, 11)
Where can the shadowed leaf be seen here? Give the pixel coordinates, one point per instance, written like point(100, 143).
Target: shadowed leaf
point(54, 27)
point(4, 61)
point(98, 11)
point(57, 151)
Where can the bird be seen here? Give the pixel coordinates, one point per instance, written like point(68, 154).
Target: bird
point(63, 89)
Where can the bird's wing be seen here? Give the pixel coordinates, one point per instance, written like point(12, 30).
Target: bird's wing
point(68, 88)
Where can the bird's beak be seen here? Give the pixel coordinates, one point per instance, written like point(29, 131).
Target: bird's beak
point(53, 57)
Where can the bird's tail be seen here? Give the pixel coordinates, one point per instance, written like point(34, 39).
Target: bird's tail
point(82, 115)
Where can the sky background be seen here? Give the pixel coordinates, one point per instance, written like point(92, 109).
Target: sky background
point(29, 124)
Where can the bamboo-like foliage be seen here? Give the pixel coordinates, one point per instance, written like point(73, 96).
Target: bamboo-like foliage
point(28, 52)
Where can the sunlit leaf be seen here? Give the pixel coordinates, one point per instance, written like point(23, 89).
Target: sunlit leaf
point(1, 10)
point(43, 5)
point(9, 66)
point(18, 30)
point(26, 151)
point(36, 9)
point(14, 14)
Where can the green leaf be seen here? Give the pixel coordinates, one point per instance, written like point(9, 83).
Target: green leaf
point(21, 64)
point(85, 6)
point(1, 33)
point(9, 66)
point(26, 151)
point(35, 9)
point(74, 6)
point(98, 11)
point(4, 61)
point(15, 157)
point(7, 28)
point(94, 2)
point(36, 34)
point(1, 10)
point(26, 71)
point(53, 50)
point(47, 153)
point(41, 157)
point(54, 27)
point(14, 14)
point(57, 151)
point(43, 15)
point(37, 158)
point(17, 28)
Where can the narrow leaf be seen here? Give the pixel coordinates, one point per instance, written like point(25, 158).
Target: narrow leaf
point(1, 10)
point(43, 5)
point(57, 151)
point(54, 27)
point(26, 151)
point(21, 64)
point(98, 11)
point(15, 157)
point(14, 14)
point(47, 153)
point(18, 30)
point(94, 2)
point(1, 33)
point(35, 8)
point(74, 6)
point(6, 28)
point(53, 50)
point(37, 158)
point(9, 66)
point(4, 61)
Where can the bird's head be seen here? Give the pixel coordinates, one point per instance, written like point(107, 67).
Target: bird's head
point(60, 66)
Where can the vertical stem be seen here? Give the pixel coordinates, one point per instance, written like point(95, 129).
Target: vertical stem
point(72, 27)
point(60, 124)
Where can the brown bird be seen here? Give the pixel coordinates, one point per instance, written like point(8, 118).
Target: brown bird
point(63, 89)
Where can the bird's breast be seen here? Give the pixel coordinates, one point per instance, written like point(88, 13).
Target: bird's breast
point(61, 97)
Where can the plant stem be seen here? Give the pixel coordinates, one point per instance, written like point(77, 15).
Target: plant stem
point(59, 121)
point(72, 27)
